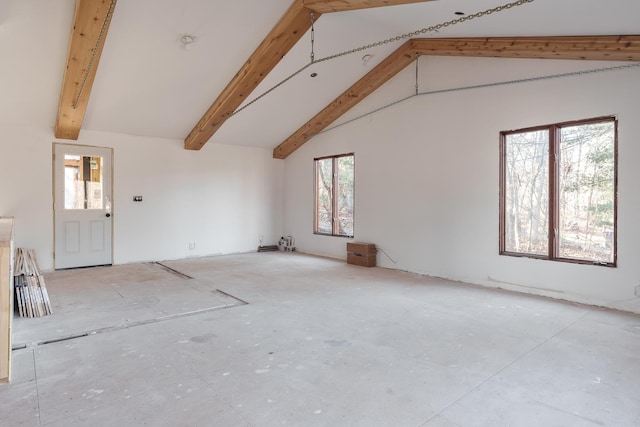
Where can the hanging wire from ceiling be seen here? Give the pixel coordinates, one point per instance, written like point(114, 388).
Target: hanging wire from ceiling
point(94, 53)
point(313, 36)
point(417, 60)
point(486, 85)
point(404, 36)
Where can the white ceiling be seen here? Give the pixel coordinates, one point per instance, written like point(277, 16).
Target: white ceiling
point(147, 84)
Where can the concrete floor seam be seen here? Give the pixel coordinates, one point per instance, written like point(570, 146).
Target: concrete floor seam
point(35, 378)
point(171, 271)
point(230, 405)
point(508, 365)
point(22, 346)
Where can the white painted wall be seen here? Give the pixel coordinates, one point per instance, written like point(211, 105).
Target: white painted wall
point(427, 175)
point(222, 198)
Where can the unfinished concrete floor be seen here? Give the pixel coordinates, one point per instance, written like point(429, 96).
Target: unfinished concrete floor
point(317, 343)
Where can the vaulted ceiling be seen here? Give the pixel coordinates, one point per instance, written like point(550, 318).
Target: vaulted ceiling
point(144, 82)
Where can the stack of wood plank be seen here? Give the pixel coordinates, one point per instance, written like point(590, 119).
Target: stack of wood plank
point(31, 294)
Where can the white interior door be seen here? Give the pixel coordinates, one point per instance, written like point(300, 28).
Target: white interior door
point(82, 205)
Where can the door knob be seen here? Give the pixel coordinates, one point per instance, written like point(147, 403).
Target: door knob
point(108, 215)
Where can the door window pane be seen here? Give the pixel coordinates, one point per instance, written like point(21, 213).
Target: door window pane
point(83, 184)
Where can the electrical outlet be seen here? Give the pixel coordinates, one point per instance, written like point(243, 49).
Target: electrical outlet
point(638, 291)
point(192, 245)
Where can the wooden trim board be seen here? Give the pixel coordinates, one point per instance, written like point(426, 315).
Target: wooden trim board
point(6, 297)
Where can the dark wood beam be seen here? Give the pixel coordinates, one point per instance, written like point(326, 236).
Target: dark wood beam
point(328, 6)
point(91, 17)
point(595, 48)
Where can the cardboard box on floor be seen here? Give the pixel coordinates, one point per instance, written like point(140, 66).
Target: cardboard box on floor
point(363, 254)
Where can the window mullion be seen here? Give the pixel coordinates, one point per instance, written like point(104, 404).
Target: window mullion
point(316, 196)
point(502, 192)
point(554, 191)
point(334, 197)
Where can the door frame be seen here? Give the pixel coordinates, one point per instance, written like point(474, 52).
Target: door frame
point(53, 188)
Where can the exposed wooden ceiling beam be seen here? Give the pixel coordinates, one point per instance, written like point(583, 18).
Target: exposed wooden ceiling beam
point(386, 69)
point(595, 48)
point(328, 6)
point(91, 18)
point(286, 33)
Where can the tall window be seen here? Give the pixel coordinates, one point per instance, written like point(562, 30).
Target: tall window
point(334, 195)
point(558, 191)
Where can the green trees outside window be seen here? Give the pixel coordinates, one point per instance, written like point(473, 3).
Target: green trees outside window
point(558, 191)
point(334, 194)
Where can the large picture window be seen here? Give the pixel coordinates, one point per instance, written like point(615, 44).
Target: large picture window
point(558, 191)
point(334, 195)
